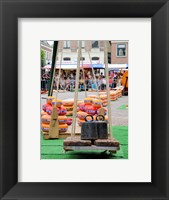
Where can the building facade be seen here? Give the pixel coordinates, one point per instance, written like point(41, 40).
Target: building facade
point(92, 51)
point(119, 52)
point(47, 48)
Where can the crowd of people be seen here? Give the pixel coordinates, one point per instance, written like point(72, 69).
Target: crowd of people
point(86, 79)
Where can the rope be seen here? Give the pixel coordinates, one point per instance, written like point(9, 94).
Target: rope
point(84, 77)
point(107, 88)
point(76, 91)
point(59, 74)
point(94, 77)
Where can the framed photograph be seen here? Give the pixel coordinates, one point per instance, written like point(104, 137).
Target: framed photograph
point(137, 32)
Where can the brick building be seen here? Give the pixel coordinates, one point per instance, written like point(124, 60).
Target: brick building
point(119, 52)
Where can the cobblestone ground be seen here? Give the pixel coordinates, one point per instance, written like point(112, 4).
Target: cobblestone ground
point(119, 116)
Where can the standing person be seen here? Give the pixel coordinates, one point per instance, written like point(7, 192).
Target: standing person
point(67, 81)
point(110, 82)
point(86, 82)
point(103, 85)
point(62, 83)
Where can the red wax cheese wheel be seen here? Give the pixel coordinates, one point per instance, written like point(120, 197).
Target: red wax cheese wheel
point(69, 121)
point(81, 106)
point(91, 110)
point(62, 110)
point(49, 110)
point(45, 106)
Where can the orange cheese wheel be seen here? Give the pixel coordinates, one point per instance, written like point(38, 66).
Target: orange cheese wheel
point(45, 127)
point(69, 108)
point(57, 102)
point(88, 101)
point(68, 102)
point(103, 96)
point(49, 100)
point(80, 122)
point(62, 119)
point(43, 113)
point(46, 119)
point(69, 113)
point(63, 128)
point(81, 114)
point(93, 96)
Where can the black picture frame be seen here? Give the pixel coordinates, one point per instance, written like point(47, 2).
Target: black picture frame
point(11, 10)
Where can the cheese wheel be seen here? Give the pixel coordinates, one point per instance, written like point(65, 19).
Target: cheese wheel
point(69, 113)
point(63, 128)
point(49, 100)
point(69, 108)
point(45, 106)
point(88, 101)
point(57, 102)
point(49, 110)
point(46, 119)
point(62, 119)
point(81, 106)
point(62, 110)
point(69, 121)
point(68, 102)
point(90, 109)
point(97, 103)
point(93, 96)
point(43, 113)
point(103, 96)
point(45, 127)
point(80, 122)
point(81, 114)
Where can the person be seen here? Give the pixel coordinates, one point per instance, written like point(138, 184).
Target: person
point(67, 84)
point(103, 83)
point(86, 82)
point(110, 81)
point(62, 83)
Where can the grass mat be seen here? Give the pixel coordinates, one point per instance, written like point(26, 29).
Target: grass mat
point(123, 107)
point(53, 149)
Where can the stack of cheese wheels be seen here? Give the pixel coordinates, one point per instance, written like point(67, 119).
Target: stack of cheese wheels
point(68, 104)
point(103, 97)
point(113, 95)
point(119, 93)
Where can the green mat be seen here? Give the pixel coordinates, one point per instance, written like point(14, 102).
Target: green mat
point(53, 149)
point(123, 107)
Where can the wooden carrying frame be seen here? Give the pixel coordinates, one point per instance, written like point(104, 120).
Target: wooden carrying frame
point(158, 11)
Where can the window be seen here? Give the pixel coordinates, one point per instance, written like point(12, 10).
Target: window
point(66, 58)
point(121, 50)
point(83, 44)
point(95, 58)
point(66, 45)
point(82, 58)
point(95, 44)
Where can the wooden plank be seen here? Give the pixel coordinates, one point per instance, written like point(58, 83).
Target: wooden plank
point(54, 124)
point(92, 147)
